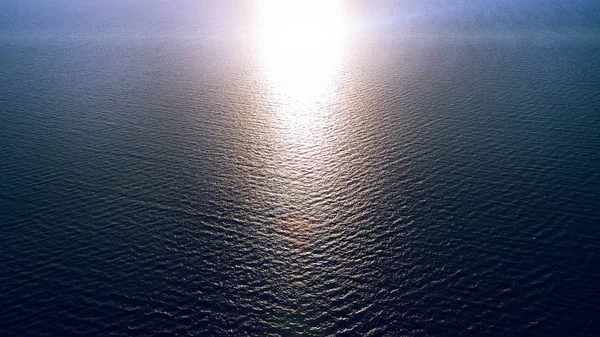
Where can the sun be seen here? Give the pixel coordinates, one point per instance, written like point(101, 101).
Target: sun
point(304, 26)
point(300, 46)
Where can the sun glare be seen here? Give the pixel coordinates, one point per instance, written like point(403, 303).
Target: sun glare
point(302, 25)
point(300, 44)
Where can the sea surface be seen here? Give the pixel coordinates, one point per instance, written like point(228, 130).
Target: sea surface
point(435, 172)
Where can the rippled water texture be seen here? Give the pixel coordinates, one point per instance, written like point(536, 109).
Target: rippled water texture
point(390, 185)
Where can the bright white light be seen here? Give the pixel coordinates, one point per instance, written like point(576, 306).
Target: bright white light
point(301, 25)
point(300, 44)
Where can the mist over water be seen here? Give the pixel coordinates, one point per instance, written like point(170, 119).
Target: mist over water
point(409, 169)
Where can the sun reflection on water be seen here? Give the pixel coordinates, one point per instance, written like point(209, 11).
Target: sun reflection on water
point(300, 47)
point(301, 54)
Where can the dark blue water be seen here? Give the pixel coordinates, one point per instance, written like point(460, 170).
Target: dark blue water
point(438, 174)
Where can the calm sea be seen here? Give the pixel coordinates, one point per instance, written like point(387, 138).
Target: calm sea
point(170, 169)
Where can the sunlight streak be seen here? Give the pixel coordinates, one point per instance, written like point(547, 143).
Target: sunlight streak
point(301, 45)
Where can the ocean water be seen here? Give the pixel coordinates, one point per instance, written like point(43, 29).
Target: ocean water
point(434, 173)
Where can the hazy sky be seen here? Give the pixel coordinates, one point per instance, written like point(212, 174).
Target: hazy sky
point(235, 16)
